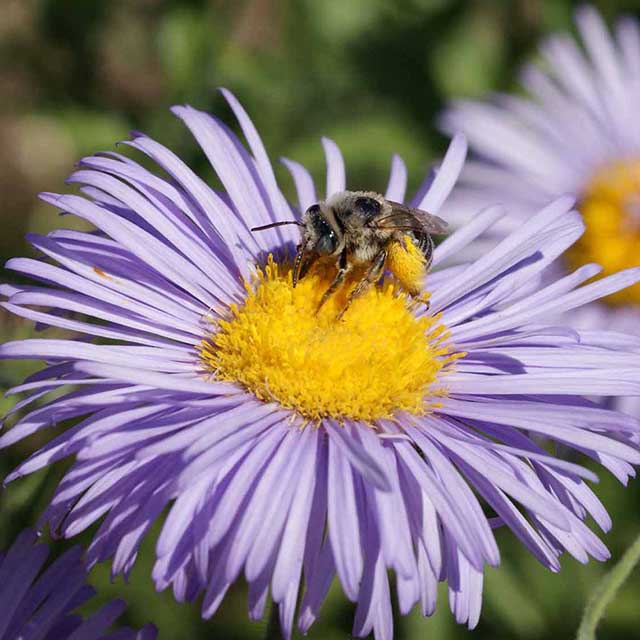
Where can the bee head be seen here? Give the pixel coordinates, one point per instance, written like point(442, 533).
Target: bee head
point(356, 207)
point(320, 234)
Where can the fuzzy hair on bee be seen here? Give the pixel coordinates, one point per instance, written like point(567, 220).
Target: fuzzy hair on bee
point(364, 229)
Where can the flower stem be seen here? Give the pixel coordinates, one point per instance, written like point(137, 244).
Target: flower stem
point(273, 626)
point(606, 590)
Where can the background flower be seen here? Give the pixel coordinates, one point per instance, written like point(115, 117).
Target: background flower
point(256, 480)
point(575, 133)
point(39, 603)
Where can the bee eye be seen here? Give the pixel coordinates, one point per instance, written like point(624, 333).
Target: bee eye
point(370, 207)
point(314, 208)
point(326, 243)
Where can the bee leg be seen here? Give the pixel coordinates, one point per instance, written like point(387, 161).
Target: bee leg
point(373, 275)
point(343, 269)
point(297, 262)
point(302, 263)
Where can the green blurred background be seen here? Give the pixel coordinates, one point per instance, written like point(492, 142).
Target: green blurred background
point(77, 75)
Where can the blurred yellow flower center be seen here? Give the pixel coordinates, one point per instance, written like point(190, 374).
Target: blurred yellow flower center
point(611, 209)
point(376, 361)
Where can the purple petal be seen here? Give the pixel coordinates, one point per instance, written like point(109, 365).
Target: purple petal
point(344, 523)
point(336, 180)
point(303, 181)
point(397, 186)
point(446, 176)
point(358, 456)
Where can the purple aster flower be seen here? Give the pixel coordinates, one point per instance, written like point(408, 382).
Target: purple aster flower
point(293, 447)
point(37, 603)
point(576, 132)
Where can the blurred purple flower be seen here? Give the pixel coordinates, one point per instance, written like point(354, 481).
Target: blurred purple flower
point(576, 132)
point(40, 604)
point(254, 490)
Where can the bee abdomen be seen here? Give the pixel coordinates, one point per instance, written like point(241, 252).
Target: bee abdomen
point(424, 242)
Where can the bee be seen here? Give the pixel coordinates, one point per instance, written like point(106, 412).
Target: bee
point(363, 229)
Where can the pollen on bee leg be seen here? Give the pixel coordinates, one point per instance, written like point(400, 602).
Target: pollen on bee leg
point(408, 265)
point(379, 360)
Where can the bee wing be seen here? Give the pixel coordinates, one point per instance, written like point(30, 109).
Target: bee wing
point(403, 215)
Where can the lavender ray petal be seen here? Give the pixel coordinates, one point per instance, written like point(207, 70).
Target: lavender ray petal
point(446, 176)
point(482, 221)
point(111, 293)
point(397, 186)
point(264, 504)
point(17, 571)
point(428, 584)
point(142, 244)
point(241, 486)
point(99, 621)
point(274, 520)
point(563, 303)
point(288, 609)
point(336, 179)
point(523, 242)
point(305, 187)
point(358, 457)
point(279, 205)
point(291, 552)
point(315, 533)
point(100, 310)
point(52, 320)
point(318, 583)
point(343, 521)
point(241, 245)
point(392, 518)
point(452, 521)
point(605, 382)
point(155, 379)
point(233, 171)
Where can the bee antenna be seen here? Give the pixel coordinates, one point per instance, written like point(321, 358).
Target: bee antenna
point(276, 224)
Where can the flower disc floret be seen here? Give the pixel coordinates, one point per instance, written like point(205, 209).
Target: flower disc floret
point(611, 209)
point(379, 359)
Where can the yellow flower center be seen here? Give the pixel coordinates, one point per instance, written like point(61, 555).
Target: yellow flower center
point(377, 360)
point(611, 209)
